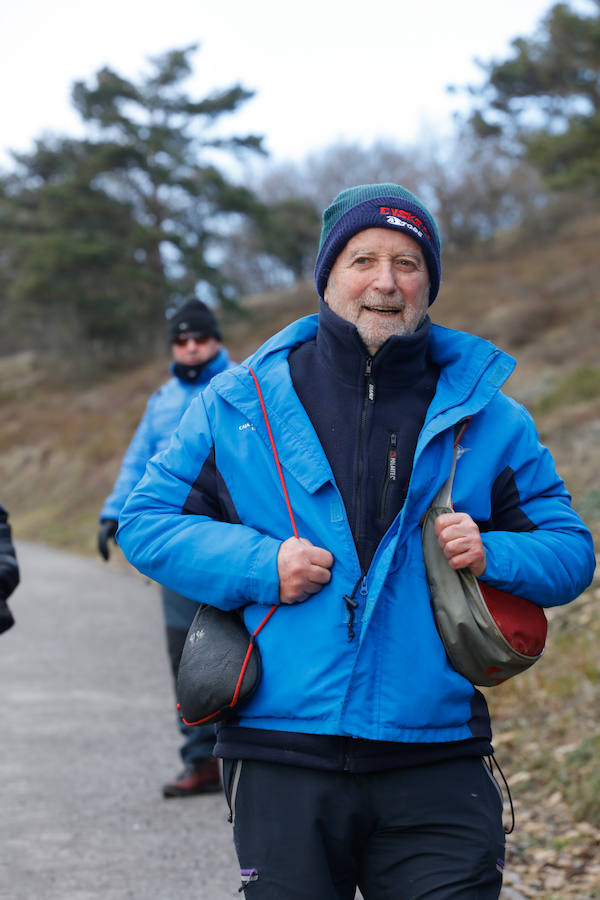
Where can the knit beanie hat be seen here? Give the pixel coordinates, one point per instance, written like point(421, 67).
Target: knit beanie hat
point(194, 316)
point(377, 206)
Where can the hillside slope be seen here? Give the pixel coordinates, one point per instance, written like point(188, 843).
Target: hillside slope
point(60, 450)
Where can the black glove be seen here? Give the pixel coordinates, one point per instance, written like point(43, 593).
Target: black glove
point(108, 529)
point(6, 618)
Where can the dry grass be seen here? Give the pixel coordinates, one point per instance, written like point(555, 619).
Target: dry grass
point(547, 740)
point(548, 743)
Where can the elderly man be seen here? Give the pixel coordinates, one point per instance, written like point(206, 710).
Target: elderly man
point(197, 354)
point(360, 760)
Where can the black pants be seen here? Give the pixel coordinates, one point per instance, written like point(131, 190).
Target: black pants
point(423, 833)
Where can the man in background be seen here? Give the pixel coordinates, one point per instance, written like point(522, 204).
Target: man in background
point(198, 355)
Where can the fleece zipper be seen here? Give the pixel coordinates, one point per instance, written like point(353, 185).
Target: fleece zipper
point(369, 397)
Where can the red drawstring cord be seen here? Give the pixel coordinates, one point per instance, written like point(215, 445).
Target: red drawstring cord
point(246, 662)
point(462, 427)
point(274, 448)
point(295, 530)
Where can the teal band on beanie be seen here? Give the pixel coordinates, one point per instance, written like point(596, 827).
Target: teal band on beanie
point(377, 206)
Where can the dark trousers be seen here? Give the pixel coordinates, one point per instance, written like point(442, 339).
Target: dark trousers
point(422, 833)
point(199, 740)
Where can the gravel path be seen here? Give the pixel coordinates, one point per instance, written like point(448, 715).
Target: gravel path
point(88, 735)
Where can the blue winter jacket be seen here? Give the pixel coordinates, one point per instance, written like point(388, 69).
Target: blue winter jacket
point(161, 417)
point(393, 681)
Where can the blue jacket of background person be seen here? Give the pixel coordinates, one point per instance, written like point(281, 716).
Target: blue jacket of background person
point(161, 417)
point(392, 681)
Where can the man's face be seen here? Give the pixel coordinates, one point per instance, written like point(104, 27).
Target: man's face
point(194, 349)
point(380, 283)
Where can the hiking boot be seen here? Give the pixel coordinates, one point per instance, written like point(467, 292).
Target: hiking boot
point(196, 778)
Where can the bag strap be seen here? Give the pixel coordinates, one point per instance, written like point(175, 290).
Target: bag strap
point(275, 606)
point(274, 449)
point(252, 640)
point(444, 495)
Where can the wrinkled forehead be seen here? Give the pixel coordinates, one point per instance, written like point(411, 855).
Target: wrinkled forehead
point(382, 240)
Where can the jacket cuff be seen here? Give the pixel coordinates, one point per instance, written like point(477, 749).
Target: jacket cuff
point(263, 578)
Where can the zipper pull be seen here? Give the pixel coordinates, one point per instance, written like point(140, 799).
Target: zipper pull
point(352, 604)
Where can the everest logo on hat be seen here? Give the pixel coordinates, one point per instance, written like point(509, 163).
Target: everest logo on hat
point(394, 220)
point(405, 219)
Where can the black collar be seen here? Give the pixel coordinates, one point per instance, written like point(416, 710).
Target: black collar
point(401, 360)
point(189, 374)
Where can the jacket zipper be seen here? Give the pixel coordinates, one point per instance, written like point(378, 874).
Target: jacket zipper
point(368, 398)
point(391, 471)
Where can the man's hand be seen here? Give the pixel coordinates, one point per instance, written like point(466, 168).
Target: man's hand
point(303, 569)
point(107, 530)
point(460, 539)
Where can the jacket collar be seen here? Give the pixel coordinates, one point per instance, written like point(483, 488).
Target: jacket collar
point(400, 361)
point(201, 374)
point(472, 372)
point(298, 447)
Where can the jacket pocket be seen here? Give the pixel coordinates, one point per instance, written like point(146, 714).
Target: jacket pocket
point(391, 473)
point(232, 770)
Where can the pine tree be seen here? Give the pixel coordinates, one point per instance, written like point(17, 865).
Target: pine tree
point(107, 232)
point(546, 97)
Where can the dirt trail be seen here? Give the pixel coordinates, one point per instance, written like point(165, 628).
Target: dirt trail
point(88, 735)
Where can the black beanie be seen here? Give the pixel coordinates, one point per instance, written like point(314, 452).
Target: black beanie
point(194, 316)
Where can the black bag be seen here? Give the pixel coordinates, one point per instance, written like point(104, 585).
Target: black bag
point(220, 665)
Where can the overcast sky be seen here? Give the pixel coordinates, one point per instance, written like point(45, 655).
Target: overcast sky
point(322, 69)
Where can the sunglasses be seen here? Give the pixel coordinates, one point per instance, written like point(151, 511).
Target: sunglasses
point(182, 339)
